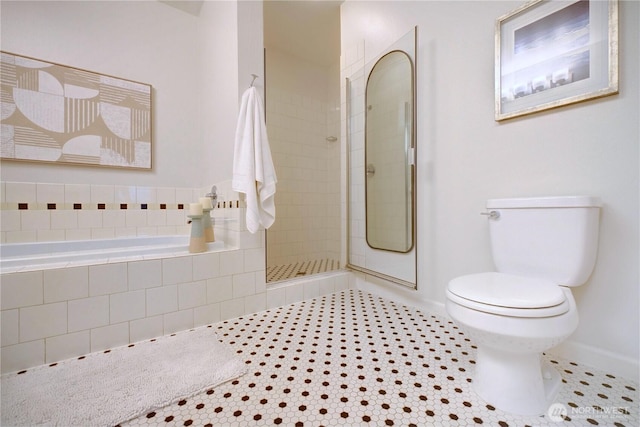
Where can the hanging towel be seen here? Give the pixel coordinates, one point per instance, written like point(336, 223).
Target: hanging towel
point(253, 171)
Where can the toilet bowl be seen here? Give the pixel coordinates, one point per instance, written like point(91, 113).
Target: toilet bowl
point(510, 338)
point(541, 247)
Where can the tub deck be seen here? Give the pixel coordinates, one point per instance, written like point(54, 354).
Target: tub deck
point(15, 257)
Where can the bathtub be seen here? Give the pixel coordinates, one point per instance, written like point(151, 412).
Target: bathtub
point(38, 255)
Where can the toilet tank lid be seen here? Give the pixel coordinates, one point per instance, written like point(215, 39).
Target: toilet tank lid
point(545, 202)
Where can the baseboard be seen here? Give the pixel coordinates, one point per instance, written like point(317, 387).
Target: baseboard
point(603, 360)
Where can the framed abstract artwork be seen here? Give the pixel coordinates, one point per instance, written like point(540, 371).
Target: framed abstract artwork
point(553, 53)
point(60, 114)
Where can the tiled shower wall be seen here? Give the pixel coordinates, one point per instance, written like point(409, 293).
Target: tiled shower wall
point(307, 223)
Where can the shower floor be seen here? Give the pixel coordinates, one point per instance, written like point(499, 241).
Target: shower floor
point(302, 268)
point(352, 358)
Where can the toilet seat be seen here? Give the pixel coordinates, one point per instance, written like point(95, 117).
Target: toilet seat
point(508, 295)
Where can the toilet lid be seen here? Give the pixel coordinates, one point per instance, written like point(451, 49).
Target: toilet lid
point(505, 290)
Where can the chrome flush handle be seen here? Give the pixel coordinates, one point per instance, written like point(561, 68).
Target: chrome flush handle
point(491, 214)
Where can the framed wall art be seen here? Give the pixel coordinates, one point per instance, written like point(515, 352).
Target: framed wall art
point(60, 114)
point(553, 53)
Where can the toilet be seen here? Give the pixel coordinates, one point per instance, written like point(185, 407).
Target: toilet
point(541, 247)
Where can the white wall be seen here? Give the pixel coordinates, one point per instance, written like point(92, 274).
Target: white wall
point(465, 157)
point(191, 62)
point(218, 35)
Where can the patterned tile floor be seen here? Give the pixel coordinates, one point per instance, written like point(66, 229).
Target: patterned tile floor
point(302, 268)
point(354, 359)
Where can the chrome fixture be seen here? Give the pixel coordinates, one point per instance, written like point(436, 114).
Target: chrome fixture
point(491, 214)
point(213, 195)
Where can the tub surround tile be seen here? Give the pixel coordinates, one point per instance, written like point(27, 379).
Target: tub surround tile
point(11, 220)
point(156, 218)
point(22, 356)
point(21, 290)
point(124, 194)
point(146, 231)
point(102, 194)
point(178, 321)
point(144, 274)
point(103, 233)
point(21, 192)
point(47, 193)
point(231, 263)
point(77, 234)
point(35, 220)
point(88, 313)
point(108, 279)
point(146, 194)
point(67, 346)
point(49, 235)
point(64, 219)
point(89, 219)
point(162, 300)
point(166, 195)
point(243, 285)
point(219, 289)
point(254, 259)
point(127, 306)
point(109, 336)
point(206, 314)
point(135, 218)
point(126, 232)
point(10, 327)
point(192, 294)
point(147, 328)
point(62, 284)
point(177, 270)
point(43, 321)
point(232, 308)
point(184, 195)
point(77, 193)
point(206, 266)
point(114, 219)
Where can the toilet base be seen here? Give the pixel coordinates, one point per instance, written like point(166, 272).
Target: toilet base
point(515, 382)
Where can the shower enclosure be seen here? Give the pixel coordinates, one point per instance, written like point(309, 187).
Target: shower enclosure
point(303, 119)
point(381, 150)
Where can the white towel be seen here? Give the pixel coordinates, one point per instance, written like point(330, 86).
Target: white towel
point(253, 171)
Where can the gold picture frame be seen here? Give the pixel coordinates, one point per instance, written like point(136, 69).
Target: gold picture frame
point(553, 53)
point(54, 113)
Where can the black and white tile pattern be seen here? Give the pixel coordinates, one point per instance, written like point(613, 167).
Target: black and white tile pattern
point(355, 359)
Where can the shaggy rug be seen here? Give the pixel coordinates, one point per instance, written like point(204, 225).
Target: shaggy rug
point(107, 388)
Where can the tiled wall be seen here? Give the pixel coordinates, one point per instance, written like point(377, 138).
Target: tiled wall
point(307, 225)
point(52, 212)
point(56, 313)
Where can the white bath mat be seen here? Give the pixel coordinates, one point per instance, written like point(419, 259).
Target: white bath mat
point(104, 389)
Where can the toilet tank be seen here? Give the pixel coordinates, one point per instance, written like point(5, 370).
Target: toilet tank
point(555, 238)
